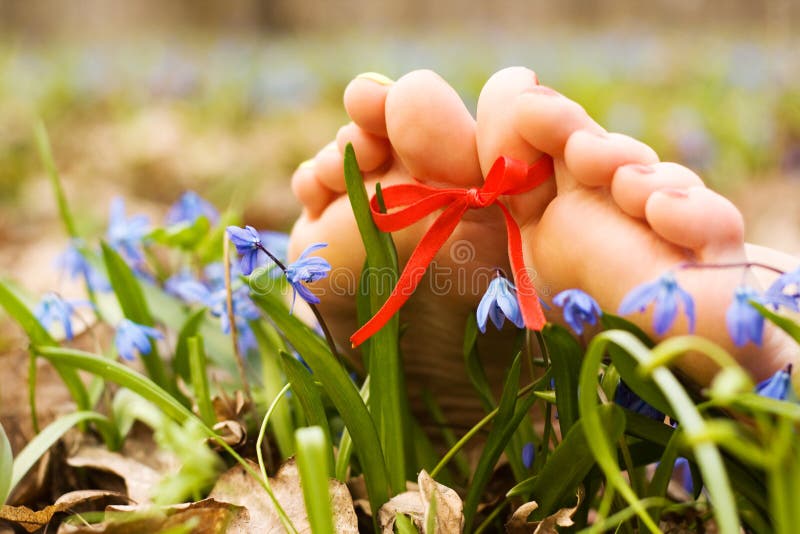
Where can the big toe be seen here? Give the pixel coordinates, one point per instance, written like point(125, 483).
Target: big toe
point(431, 130)
point(497, 136)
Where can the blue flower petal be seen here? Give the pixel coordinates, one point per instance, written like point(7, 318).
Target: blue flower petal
point(639, 298)
point(777, 386)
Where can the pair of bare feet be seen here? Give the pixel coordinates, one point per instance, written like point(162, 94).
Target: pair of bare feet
point(613, 217)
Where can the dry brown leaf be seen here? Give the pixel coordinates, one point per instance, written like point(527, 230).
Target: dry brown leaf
point(238, 487)
point(75, 501)
point(139, 478)
point(519, 524)
point(416, 504)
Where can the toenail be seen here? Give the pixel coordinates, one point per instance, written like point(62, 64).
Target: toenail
point(541, 90)
point(675, 192)
point(642, 168)
point(376, 77)
point(307, 164)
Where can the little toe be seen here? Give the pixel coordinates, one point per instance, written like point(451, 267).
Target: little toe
point(432, 131)
point(592, 157)
point(365, 101)
point(699, 219)
point(314, 196)
point(633, 184)
point(330, 168)
point(371, 151)
point(546, 119)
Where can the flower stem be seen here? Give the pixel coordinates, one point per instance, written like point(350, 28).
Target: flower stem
point(232, 321)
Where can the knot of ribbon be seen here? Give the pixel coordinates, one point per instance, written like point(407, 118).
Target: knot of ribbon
point(506, 177)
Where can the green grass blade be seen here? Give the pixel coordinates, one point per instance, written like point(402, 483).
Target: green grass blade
point(346, 443)
point(180, 362)
point(134, 306)
point(313, 450)
point(6, 465)
point(46, 155)
point(386, 369)
point(784, 323)
point(404, 525)
point(310, 399)
point(474, 368)
point(38, 336)
point(565, 360)
point(45, 439)
point(342, 392)
point(199, 376)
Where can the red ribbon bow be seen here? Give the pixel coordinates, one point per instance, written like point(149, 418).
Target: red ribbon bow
point(506, 177)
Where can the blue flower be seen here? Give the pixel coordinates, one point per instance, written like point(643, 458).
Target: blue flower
point(306, 270)
point(528, 455)
point(743, 320)
point(132, 337)
point(625, 397)
point(579, 309)
point(682, 473)
point(776, 295)
point(499, 302)
point(665, 292)
point(53, 309)
point(248, 243)
point(74, 264)
point(125, 235)
point(189, 208)
point(777, 386)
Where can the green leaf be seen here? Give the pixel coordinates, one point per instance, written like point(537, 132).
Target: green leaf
point(185, 235)
point(180, 362)
point(474, 367)
point(341, 390)
point(38, 336)
point(386, 370)
point(46, 155)
point(643, 386)
point(567, 465)
point(784, 323)
point(6, 465)
point(404, 525)
point(134, 306)
point(313, 450)
point(565, 360)
point(199, 377)
point(310, 399)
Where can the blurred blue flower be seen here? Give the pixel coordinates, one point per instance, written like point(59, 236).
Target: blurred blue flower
point(248, 243)
point(665, 293)
point(74, 264)
point(743, 320)
point(777, 296)
point(189, 208)
point(277, 243)
point(777, 386)
point(172, 285)
point(682, 473)
point(499, 302)
point(528, 454)
point(125, 235)
point(626, 398)
point(132, 337)
point(579, 309)
point(54, 309)
point(306, 270)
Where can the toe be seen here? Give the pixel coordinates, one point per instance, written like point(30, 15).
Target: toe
point(592, 157)
point(371, 151)
point(699, 219)
point(546, 119)
point(496, 135)
point(330, 168)
point(309, 191)
point(365, 100)
point(432, 131)
point(633, 184)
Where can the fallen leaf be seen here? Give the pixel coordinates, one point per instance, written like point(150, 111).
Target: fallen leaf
point(237, 486)
point(75, 501)
point(139, 478)
point(417, 503)
point(519, 524)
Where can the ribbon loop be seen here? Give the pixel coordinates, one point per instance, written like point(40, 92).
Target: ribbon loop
point(506, 177)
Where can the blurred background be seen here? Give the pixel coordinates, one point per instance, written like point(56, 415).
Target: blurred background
point(151, 98)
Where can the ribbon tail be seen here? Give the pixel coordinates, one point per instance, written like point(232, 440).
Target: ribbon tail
point(529, 305)
point(417, 264)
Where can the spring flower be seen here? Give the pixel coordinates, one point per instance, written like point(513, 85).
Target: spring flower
point(189, 208)
point(777, 386)
point(777, 296)
point(665, 293)
point(132, 337)
point(248, 243)
point(683, 474)
point(626, 398)
point(73, 263)
point(579, 309)
point(498, 303)
point(54, 309)
point(743, 320)
point(528, 455)
point(125, 235)
point(306, 270)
